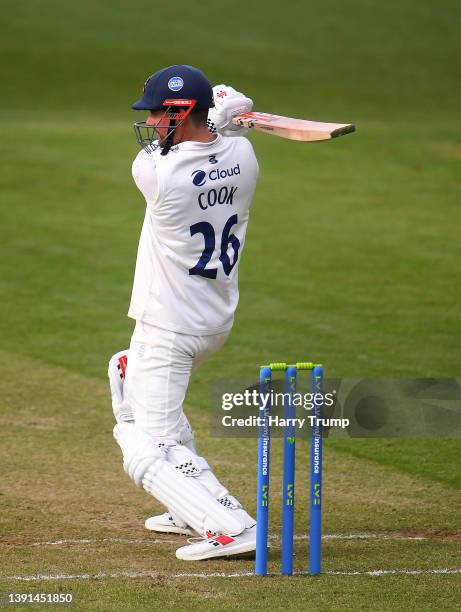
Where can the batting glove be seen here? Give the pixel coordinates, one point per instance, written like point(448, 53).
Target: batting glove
point(228, 103)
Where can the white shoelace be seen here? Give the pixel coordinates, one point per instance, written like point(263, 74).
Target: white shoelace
point(197, 539)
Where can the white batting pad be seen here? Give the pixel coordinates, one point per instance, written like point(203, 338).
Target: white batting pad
point(145, 461)
point(116, 373)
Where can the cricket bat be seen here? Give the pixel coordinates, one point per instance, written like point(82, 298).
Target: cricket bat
point(293, 129)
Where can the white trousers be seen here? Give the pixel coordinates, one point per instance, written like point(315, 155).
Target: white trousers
point(159, 368)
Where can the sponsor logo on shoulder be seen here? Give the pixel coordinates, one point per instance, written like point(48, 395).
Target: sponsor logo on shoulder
point(199, 177)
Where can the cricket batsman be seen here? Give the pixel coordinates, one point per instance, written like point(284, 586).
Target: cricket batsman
point(197, 173)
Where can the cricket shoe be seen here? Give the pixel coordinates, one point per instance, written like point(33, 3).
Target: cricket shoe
point(218, 546)
point(164, 523)
point(116, 373)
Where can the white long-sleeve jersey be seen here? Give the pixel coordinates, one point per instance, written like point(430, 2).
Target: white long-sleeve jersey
point(198, 199)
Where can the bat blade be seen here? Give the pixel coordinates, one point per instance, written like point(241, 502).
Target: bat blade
point(293, 129)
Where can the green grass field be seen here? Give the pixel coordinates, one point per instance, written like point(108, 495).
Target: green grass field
point(352, 259)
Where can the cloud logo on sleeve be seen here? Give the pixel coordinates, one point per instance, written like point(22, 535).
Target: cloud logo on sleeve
point(198, 177)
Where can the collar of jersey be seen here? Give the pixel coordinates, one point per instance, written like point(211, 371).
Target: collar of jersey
point(194, 145)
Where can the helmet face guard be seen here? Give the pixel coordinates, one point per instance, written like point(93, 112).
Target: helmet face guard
point(175, 115)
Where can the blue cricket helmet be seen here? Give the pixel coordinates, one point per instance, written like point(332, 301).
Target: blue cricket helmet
point(176, 82)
